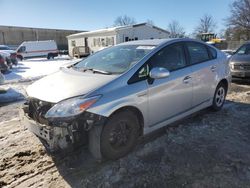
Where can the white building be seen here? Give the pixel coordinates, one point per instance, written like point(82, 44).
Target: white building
point(90, 42)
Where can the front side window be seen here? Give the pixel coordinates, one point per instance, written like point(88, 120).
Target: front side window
point(21, 49)
point(244, 50)
point(171, 57)
point(198, 52)
point(115, 59)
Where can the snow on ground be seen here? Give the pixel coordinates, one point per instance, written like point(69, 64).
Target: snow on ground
point(35, 68)
point(209, 149)
point(27, 71)
point(11, 94)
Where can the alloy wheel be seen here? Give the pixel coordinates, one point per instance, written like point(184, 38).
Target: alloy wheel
point(220, 96)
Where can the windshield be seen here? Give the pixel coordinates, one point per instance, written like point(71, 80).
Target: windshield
point(245, 49)
point(114, 60)
point(4, 48)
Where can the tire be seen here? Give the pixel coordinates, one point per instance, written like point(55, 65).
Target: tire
point(15, 62)
point(50, 56)
point(4, 71)
point(19, 58)
point(219, 97)
point(119, 135)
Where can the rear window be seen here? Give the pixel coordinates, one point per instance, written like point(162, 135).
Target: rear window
point(198, 52)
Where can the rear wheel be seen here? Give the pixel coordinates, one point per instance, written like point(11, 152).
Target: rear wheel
point(19, 57)
point(50, 56)
point(219, 97)
point(119, 135)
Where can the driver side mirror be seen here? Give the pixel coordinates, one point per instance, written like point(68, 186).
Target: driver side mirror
point(159, 72)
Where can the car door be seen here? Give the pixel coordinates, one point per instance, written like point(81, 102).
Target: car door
point(171, 96)
point(204, 70)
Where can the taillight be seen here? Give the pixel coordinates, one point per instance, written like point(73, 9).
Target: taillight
point(2, 60)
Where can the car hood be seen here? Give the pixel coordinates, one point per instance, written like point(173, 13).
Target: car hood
point(8, 51)
point(4, 53)
point(245, 59)
point(66, 83)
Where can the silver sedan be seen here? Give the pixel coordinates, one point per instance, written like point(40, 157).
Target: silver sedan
point(119, 94)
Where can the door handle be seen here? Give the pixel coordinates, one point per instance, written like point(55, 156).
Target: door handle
point(142, 94)
point(187, 79)
point(213, 68)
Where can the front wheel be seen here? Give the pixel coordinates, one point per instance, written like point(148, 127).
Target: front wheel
point(119, 135)
point(219, 97)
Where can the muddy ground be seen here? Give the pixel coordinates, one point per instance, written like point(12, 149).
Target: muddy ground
point(206, 150)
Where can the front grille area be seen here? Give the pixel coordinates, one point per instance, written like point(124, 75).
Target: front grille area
point(242, 67)
point(38, 109)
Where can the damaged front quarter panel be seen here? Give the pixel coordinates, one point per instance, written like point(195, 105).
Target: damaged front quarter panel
point(60, 133)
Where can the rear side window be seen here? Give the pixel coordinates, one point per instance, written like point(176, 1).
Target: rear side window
point(21, 49)
point(198, 52)
point(213, 53)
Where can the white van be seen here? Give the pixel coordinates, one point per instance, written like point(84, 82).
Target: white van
point(31, 49)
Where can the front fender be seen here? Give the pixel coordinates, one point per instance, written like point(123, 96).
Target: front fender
point(109, 108)
point(121, 95)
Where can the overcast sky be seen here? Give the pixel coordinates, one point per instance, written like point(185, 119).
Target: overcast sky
point(96, 14)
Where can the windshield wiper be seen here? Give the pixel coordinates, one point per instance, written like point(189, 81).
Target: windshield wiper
point(83, 69)
point(100, 71)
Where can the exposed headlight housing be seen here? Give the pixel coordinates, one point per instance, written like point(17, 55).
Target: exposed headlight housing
point(71, 107)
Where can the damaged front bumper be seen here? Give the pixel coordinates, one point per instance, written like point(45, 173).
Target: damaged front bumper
point(61, 133)
point(50, 135)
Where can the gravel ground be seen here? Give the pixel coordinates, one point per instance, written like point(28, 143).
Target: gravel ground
point(206, 150)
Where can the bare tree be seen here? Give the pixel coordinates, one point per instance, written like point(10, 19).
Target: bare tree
point(176, 30)
point(239, 21)
point(240, 14)
point(124, 20)
point(206, 24)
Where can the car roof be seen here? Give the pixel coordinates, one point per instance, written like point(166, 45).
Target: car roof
point(152, 42)
point(158, 42)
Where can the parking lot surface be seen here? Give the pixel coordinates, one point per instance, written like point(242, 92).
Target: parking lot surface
point(209, 149)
